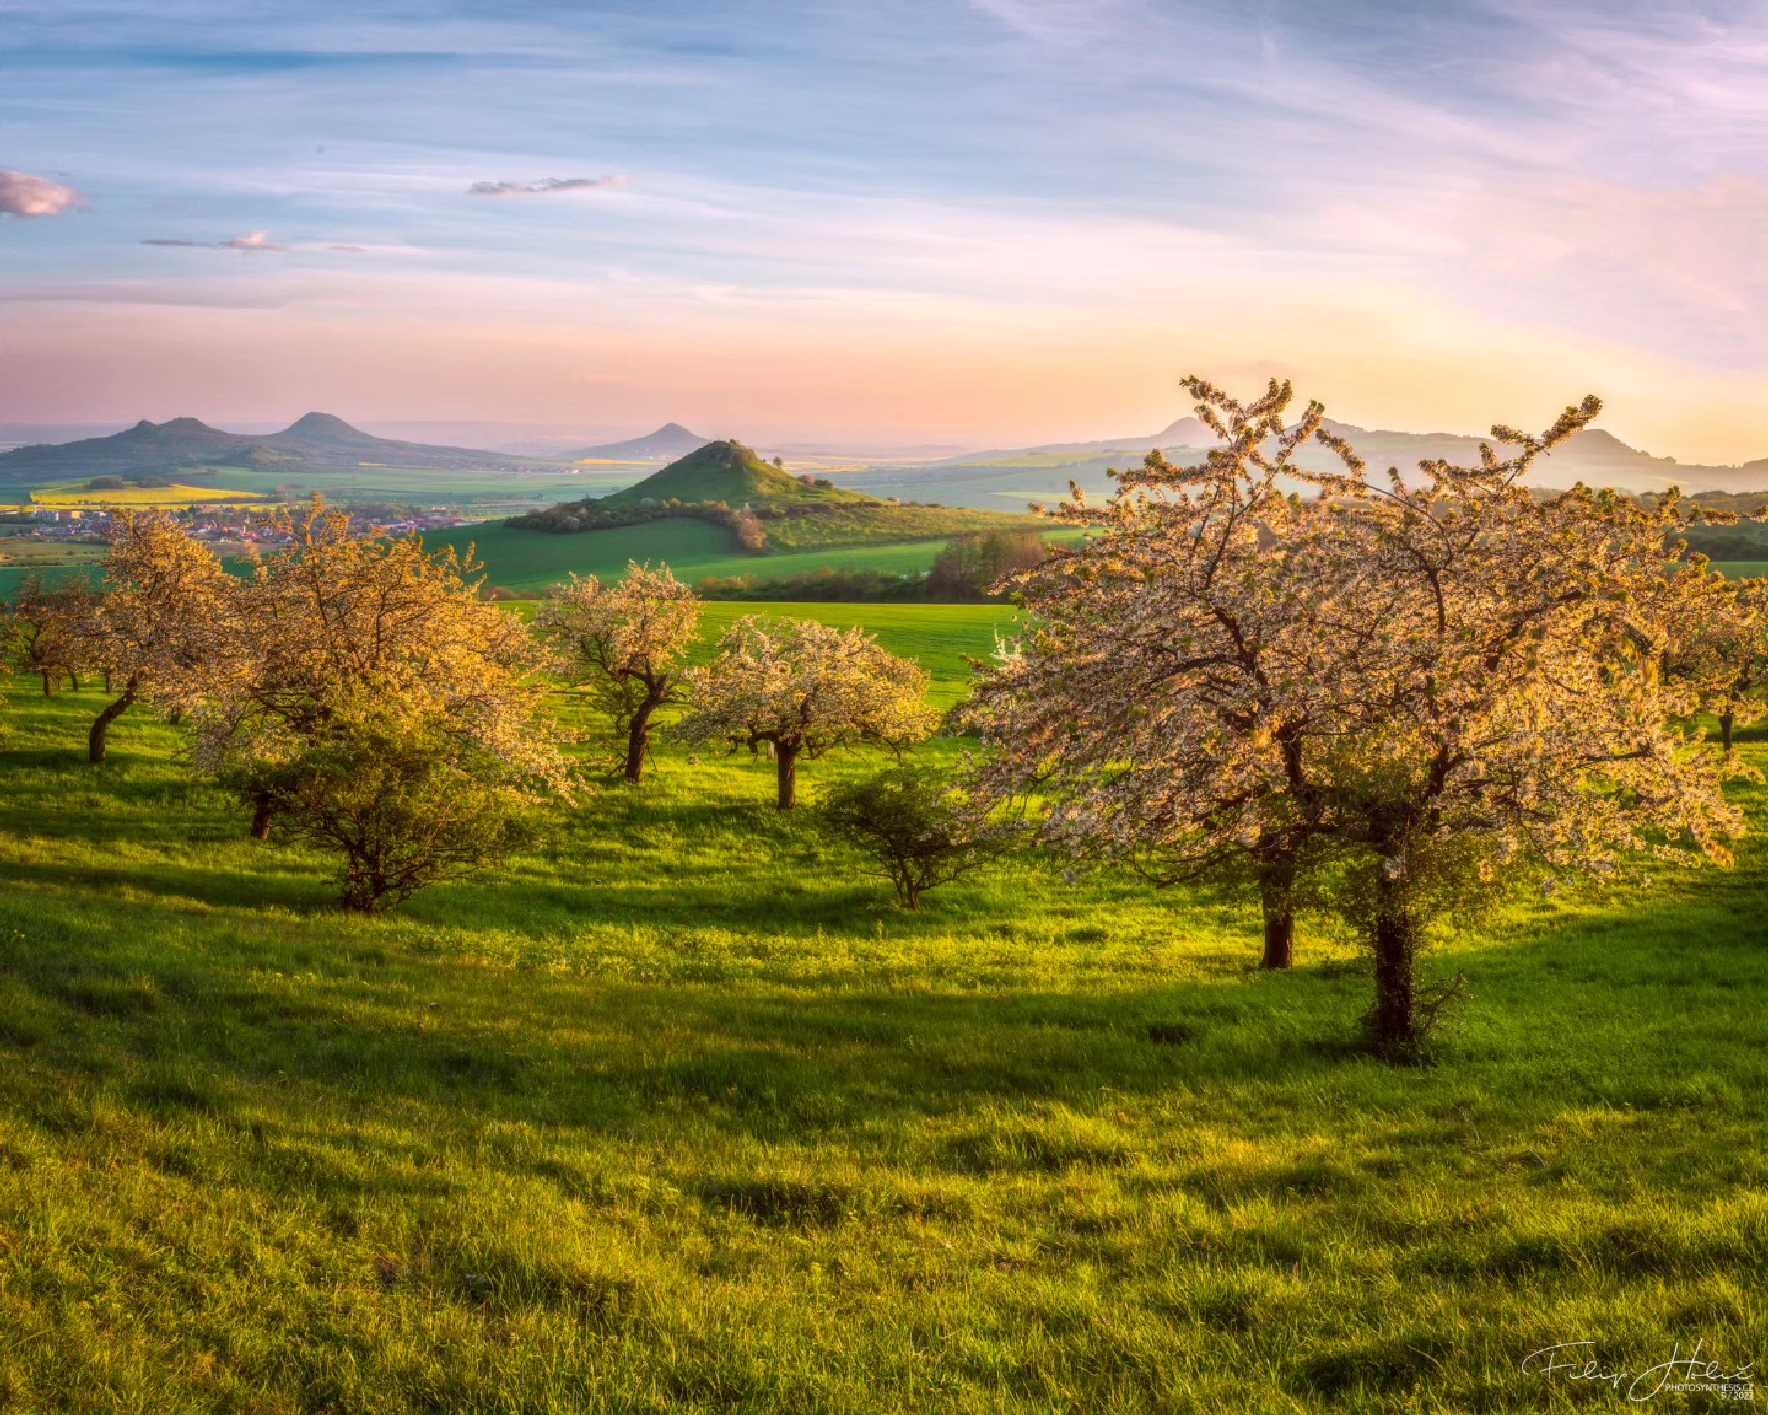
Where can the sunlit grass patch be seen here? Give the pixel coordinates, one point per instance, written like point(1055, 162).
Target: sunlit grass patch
point(680, 1112)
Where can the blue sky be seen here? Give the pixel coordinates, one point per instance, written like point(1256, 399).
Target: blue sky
point(966, 218)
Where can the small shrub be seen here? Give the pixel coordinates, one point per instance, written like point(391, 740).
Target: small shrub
point(919, 832)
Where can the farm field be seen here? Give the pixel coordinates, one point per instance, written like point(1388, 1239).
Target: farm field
point(679, 1113)
point(401, 484)
point(137, 497)
point(17, 551)
point(529, 561)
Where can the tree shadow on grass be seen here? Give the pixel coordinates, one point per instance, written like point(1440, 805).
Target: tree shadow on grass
point(207, 885)
point(345, 1088)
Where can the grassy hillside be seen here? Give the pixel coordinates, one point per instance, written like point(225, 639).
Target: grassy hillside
point(874, 524)
point(728, 472)
point(529, 561)
point(678, 1114)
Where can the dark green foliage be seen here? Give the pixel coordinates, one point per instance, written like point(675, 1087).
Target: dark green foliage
point(972, 565)
point(403, 808)
point(915, 828)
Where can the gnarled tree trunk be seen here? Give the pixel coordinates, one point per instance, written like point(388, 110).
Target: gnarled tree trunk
point(638, 739)
point(263, 812)
point(98, 741)
point(1727, 726)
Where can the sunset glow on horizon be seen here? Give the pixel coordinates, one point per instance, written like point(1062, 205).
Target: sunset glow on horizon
point(1001, 221)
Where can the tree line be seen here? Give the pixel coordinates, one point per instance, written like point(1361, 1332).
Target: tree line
point(1388, 697)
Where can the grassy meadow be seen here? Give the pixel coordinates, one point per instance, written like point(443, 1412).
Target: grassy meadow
point(410, 485)
point(527, 562)
point(679, 1113)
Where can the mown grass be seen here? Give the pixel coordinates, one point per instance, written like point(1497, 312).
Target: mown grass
point(678, 1113)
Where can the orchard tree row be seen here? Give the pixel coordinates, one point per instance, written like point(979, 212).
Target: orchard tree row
point(1392, 696)
point(360, 691)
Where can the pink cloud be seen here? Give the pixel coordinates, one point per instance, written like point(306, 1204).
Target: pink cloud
point(21, 194)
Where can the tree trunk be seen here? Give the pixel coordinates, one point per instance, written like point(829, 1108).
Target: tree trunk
point(1276, 889)
point(48, 684)
point(1394, 1022)
point(107, 680)
point(786, 759)
point(97, 742)
point(73, 681)
point(263, 811)
point(638, 740)
point(1727, 724)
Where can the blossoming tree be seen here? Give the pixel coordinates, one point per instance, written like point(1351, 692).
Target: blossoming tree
point(804, 689)
point(166, 600)
point(627, 641)
point(1439, 678)
point(367, 694)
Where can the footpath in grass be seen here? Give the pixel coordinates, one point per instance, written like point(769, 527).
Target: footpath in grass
point(679, 1113)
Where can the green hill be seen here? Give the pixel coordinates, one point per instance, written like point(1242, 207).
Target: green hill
point(528, 563)
point(727, 472)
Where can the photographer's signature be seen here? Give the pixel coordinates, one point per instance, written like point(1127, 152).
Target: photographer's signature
point(1578, 1361)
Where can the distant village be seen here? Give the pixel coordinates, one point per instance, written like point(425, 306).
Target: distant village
point(228, 527)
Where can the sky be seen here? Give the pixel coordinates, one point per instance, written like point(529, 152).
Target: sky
point(982, 221)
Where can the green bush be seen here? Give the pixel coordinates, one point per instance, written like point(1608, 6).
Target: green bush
point(919, 832)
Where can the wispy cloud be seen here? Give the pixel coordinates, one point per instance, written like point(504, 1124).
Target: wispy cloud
point(123, 293)
point(1056, 22)
point(21, 194)
point(1464, 183)
point(251, 241)
point(544, 187)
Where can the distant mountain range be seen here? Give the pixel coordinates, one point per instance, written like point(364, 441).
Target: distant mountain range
point(317, 440)
point(1593, 456)
point(1001, 479)
point(668, 442)
point(1186, 432)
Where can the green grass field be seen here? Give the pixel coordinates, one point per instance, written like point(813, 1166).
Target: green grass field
point(424, 488)
point(679, 1113)
point(17, 552)
point(529, 561)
